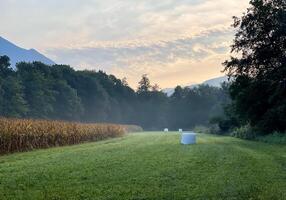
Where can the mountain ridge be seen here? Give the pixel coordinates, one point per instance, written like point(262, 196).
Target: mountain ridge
point(214, 82)
point(18, 54)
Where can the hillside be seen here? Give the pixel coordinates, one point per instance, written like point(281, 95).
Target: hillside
point(18, 54)
point(148, 166)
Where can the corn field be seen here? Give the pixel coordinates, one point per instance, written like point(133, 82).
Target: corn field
point(18, 135)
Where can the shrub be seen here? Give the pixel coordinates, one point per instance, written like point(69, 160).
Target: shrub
point(201, 129)
point(132, 128)
point(23, 135)
point(244, 132)
point(275, 138)
point(215, 129)
point(222, 125)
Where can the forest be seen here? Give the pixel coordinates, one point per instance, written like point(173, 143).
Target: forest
point(58, 92)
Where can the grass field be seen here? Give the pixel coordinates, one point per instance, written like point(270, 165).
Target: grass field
point(148, 166)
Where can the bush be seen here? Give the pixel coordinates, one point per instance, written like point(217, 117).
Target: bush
point(201, 129)
point(132, 128)
point(244, 132)
point(215, 129)
point(23, 135)
point(222, 125)
point(275, 138)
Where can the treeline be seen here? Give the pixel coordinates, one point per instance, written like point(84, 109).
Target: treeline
point(58, 92)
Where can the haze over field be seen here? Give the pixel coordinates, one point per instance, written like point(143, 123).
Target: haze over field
point(174, 41)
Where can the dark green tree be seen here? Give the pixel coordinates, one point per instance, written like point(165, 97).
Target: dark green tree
point(38, 89)
point(5, 68)
point(67, 104)
point(12, 102)
point(144, 84)
point(259, 69)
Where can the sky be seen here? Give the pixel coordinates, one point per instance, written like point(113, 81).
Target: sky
point(175, 42)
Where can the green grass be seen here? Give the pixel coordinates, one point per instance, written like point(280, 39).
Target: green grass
point(148, 166)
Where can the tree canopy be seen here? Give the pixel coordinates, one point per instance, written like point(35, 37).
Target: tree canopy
point(258, 70)
point(36, 90)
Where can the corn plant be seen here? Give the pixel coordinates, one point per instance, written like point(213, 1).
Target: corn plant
point(23, 135)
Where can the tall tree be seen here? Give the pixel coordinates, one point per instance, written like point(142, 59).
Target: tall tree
point(144, 84)
point(12, 102)
point(38, 87)
point(5, 68)
point(67, 103)
point(36, 90)
point(259, 69)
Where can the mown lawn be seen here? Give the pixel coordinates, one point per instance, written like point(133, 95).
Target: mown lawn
point(148, 166)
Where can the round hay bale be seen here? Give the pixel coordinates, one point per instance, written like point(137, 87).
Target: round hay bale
point(189, 138)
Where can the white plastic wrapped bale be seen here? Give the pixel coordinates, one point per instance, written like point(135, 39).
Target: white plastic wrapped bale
point(189, 138)
point(180, 130)
point(166, 130)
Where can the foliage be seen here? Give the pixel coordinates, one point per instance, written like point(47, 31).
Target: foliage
point(223, 124)
point(201, 129)
point(13, 103)
point(148, 166)
point(5, 68)
point(132, 128)
point(23, 135)
point(258, 71)
point(144, 84)
point(244, 132)
point(215, 129)
point(191, 107)
point(275, 138)
point(58, 92)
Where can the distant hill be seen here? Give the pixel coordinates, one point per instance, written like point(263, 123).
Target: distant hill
point(18, 54)
point(215, 82)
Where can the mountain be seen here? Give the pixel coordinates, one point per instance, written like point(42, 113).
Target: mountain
point(215, 82)
point(18, 54)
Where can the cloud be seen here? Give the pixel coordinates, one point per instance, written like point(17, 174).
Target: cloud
point(156, 59)
point(127, 37)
